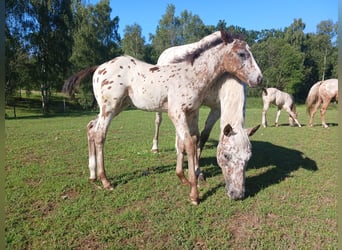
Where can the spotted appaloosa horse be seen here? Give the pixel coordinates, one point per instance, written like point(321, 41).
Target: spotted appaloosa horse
point(321, 92)
point(178, 53)
point(282, 100)
point(229, 94)
point(178, 88)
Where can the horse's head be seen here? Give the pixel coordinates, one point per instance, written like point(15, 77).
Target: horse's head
point(239, 60)
point(233, 152)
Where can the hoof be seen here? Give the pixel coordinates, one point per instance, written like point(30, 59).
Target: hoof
point(194, 202)
point(201, 178)
point(155, 151)
point(92, 180)
point(325, 126)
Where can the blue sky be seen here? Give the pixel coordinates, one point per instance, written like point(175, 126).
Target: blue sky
point(248, 14)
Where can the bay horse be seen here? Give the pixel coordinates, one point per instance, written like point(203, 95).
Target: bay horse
point(178, 89)
point(229, 94)
point(282, 100)
point(322, 92)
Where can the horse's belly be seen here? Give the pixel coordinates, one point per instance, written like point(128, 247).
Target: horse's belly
point(149, 100)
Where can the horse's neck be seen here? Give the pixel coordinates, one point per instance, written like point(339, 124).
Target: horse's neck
point(210, 62)
point(232, 98)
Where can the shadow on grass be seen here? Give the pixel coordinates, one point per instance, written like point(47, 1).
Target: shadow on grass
point(126, 177)
point(279, 162)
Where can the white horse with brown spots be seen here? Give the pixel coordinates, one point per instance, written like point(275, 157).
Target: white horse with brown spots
point(282, 100)
point(229, 94)
point(321, 92)
point(178, 88)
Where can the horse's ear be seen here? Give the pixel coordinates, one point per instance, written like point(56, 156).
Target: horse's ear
point(226, 37)
point(228, 130)
point(251, 131)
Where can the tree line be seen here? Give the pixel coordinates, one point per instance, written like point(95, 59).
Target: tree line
point(47, 41)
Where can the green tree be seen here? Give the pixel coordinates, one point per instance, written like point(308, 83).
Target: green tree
point(166, 32)
point(96, 40)
point(45, 26)
point(294, 34)
point(173, 30)
point(281, 63)
point(133, 42)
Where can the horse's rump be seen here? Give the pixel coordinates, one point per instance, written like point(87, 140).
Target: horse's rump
point(312, 97)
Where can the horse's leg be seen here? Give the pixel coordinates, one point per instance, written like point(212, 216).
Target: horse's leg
point(156, 132)
point(323, 111)
point(192, 121)
point(185, 143)
point(180, 160)
point(99, 140)
point(313, 112)
point(91, 149)
point(277, 117)
point(292, 115)
point(264, 111)
point(213, 116)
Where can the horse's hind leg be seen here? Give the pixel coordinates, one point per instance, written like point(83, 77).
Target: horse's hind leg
point(157, 123)
point(313, 112)
point(99, 140)
point(91, 149)
point(323, 111)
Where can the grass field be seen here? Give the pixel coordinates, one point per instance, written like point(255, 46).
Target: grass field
point(291, 187)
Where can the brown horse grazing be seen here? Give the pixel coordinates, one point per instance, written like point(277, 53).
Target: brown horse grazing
point(282, 100)
point(321, 92)
point(178, 89)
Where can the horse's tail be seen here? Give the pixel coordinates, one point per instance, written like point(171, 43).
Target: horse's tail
point(312, 97)
point(74, 81)
point(264, 91)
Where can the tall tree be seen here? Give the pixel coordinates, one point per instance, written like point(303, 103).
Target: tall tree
point(96, 40)
point(294, 34)
point(282, 64)
point(173, 30)
point(166, 32)
point(49, 42)
point(133, 42)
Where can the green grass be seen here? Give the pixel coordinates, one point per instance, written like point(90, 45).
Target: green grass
point(291, 187)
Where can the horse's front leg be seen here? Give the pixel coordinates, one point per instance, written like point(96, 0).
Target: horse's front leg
point(263, 116)
point(212, 118)
point(180, 160)
point(277, 117)
point(185, 143)
point(157, 123)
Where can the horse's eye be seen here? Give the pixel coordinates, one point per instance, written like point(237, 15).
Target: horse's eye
point(242, 55)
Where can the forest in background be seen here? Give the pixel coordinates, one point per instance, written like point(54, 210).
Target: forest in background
point(47, 41)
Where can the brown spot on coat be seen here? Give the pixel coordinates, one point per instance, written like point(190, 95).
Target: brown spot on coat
point(154, 69)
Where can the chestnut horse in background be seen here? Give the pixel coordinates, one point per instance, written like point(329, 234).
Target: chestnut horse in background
point(322, 92)
point(282, 100)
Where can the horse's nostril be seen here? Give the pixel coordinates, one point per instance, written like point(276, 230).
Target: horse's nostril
point(259, 79)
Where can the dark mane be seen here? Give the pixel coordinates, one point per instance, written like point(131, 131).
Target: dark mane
point(226, 37)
